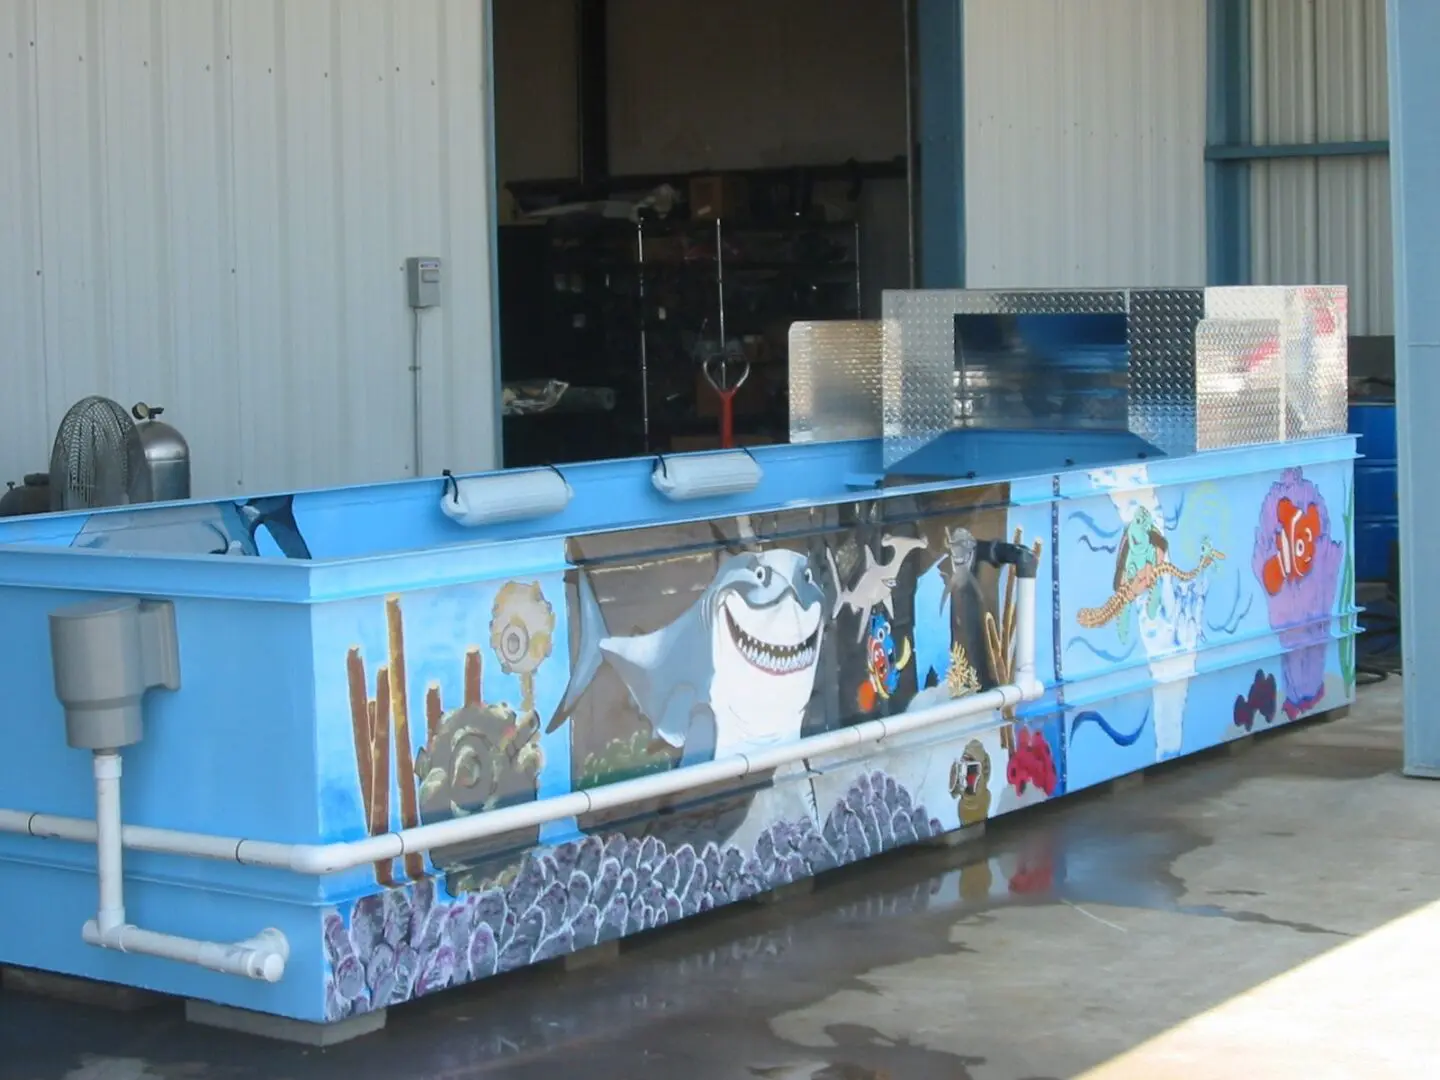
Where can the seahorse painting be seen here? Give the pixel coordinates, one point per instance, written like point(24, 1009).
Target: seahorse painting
point(1140, 564)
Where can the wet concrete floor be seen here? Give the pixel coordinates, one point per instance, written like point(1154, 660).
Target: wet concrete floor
point(1148, 906)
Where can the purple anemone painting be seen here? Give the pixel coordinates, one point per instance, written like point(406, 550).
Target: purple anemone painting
point(1298, 564)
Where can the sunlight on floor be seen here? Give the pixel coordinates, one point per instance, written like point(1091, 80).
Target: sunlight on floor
point(1365, 1009)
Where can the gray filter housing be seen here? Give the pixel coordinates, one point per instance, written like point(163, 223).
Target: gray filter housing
point(106, 655)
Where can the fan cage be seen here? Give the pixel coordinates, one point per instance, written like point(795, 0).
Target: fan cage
point(98, 458)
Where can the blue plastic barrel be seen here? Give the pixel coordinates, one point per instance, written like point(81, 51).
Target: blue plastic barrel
point(1377, 492)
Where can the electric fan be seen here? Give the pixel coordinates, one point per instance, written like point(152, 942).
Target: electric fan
point(98, 458)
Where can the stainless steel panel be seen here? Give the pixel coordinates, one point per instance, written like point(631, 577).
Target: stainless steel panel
point(931, 386)
point(938, 387)
point(1239, 383)
point(835, 380)
point(1313, 345)
point(919, 367)
point(1162, 366)
point(1317, 368)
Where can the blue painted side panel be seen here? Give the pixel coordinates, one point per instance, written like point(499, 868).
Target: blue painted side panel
point(1182, 602)
point(233, 752)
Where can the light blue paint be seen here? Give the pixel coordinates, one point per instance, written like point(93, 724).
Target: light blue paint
point(1093, 756)
point(932, 650)
point(940, 40)
point(258, 742)
point(997, 455)
point(1227, 123)
point(1413, 27)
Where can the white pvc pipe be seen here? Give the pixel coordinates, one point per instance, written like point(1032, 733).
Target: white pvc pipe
point(262, 957)
point(323, 859)
point(109, 847)
point(1024, 673)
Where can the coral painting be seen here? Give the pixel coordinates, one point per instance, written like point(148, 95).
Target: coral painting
point(411, 941)
point(1259, 702)
point(480, 756)
point(372, 722)
point(1297, 563)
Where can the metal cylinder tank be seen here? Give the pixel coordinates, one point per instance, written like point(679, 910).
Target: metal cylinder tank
point(33, 497)
point(166, 452)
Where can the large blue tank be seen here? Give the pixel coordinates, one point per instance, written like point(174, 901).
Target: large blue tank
point(1377, 495)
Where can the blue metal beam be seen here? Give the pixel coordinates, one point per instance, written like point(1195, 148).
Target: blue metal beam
point(1227, 179)
point(1413, 27)
point(940, 41)
point(492, 174)
point(1375, 148)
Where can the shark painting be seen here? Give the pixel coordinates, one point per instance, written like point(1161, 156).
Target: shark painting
point(877, 581)
point(735, 671)
point(960, 554)
point(217, 528)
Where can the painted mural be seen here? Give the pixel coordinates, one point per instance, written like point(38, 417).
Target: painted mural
point(738, 636)
point(667, 647)
point(1298, 561)
point(1288, 609)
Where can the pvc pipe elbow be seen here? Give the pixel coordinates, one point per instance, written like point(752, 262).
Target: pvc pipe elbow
point(315, 860)
point(1031, 688)
point(262, 958)
point(319, 860)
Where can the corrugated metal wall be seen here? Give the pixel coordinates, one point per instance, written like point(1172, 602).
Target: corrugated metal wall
point(1085, 141)
point(207, 204)
point(1319, 75)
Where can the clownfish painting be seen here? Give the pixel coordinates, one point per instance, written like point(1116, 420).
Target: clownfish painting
point(1295, 544)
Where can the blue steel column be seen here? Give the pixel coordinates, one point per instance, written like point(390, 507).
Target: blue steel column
point(492, 178)
point(1414, 45)
point(1227, 123)
point(940, 40)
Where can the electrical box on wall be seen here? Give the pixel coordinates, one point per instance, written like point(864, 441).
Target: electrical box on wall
point(422, 281)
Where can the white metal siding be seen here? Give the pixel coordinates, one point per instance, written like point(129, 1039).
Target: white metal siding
point(1319, 75)
point(1084, 142)
point(207, 204)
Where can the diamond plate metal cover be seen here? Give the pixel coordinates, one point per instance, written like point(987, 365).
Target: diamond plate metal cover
point(933, 389)
point(1240, 381)
point(1162, 366)
point(927, 388)
point(835, 380)
point(1314, 348)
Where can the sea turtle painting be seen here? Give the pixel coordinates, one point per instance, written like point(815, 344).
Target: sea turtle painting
point(1143, 549)
point(1141, 561)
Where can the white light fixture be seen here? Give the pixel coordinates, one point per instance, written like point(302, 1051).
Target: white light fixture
point(507, 496)
point(703, 476)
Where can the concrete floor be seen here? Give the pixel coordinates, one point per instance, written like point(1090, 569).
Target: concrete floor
point(1215, 876)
